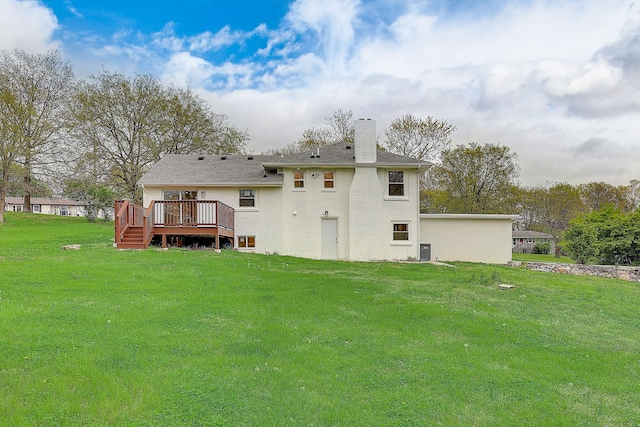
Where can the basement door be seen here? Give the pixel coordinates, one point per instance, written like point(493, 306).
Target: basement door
point(329, 238)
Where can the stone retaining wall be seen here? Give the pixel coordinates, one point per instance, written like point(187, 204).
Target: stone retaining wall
point(623, 273)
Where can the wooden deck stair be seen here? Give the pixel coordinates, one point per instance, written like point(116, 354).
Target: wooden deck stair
point(133, 239)
point(135, 226)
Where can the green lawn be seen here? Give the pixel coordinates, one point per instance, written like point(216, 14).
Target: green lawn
point(100, 337)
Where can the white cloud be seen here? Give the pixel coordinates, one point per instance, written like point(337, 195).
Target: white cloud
point(548, 79)
point(185, 69)
point(332, 22)
point(28, 25)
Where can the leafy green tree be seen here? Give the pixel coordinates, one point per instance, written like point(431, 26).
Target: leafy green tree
point(474, 179)
point(16, 184)
point(606, 236)
point(549, 208)
point(419, 138)
point(9, 148)
point(34, 91)
point(581, 241)
point(596, 195)
point(96, 198)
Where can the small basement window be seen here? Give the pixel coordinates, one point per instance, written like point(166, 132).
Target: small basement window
point(246, 241)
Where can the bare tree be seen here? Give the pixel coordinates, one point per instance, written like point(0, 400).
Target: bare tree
point(337, 128)
point(419, 138)
point(128, 124)
point(35, 88)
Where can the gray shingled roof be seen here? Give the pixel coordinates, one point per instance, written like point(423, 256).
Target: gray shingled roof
point(341, 154)
point(43, 201)
point(236, 169)
point(212, 169)
point(528, 234)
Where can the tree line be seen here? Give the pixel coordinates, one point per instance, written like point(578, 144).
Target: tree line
point(92, 140)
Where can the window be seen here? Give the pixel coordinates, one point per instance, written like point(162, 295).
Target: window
point(401, 231)
point(181, 195)
point(247, 198)
point(36, 208)
point(17, 208)
point(298, 179)
point(246, 241)
point(396, 183)
point(329, 180)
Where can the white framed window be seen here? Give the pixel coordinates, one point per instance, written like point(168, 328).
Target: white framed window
point(247, 198)
point(396, 183)
point(401, 231)
point(298, 179)
point(36, 208)
point(329, 180)
point(17, 208)
point(246, 241)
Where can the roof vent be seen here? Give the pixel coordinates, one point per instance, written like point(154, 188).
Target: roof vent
point(348, 147)
point(200, 157)
point(250, 158)
point(223, 158)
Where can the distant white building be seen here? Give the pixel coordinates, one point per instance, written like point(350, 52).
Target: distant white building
point(50, 206)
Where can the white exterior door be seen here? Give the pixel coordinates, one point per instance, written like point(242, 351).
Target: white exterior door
point(329, 238)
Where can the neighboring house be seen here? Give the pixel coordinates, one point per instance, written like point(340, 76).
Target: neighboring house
point(343, 201)
point(525, 240)
point(44, 205)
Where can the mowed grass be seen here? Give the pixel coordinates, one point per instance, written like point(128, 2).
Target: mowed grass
point(100, 337)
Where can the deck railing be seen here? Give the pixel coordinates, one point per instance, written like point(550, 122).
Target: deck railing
point(147, 224)
point(192, 213)
point(171, 213)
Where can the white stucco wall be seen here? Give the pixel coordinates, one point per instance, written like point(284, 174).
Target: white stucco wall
point(473, 238)
point(304, 209)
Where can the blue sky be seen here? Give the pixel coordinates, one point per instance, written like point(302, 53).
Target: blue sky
point(557, 81)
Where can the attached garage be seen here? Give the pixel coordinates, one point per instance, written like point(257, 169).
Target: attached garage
point(472, 238)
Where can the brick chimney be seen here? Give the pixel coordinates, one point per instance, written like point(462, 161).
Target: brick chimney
point(365, 140)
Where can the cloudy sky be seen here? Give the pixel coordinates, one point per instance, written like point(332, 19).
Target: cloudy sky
point(558, 81)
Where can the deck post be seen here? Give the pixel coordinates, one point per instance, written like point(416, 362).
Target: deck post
point(164, 241)
point(217, 241)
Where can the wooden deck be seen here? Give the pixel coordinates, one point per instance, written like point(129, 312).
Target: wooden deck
point(135, 226)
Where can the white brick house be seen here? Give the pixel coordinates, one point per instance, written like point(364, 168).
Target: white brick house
point(343, 201)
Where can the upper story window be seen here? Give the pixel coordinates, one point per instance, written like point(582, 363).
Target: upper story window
point(396, 183)
point(401, 231)
point(247, 198)
point(329, 180)
point(298, 179)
